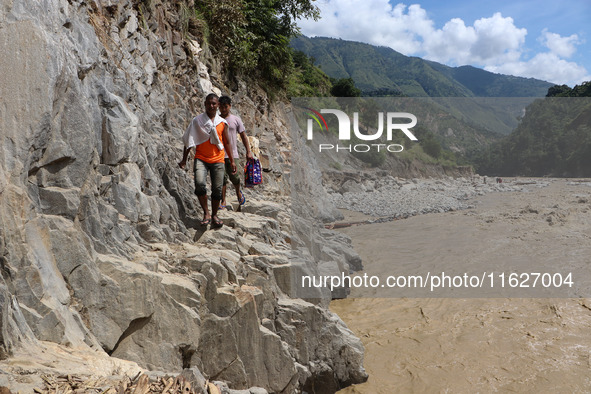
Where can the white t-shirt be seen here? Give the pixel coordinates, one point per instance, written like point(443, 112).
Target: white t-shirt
point(235, 126)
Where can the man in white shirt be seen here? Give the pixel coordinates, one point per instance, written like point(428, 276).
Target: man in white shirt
point(235, 128)
point(208, 134)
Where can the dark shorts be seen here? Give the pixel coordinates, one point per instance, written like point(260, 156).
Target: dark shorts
point(234, 178)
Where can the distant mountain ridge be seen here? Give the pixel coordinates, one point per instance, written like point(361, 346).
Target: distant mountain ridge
point(383, 71)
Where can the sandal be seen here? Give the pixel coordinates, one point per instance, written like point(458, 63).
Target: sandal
point(242, 199)
point(205, 222)
point(217, 222)
point(222, 207)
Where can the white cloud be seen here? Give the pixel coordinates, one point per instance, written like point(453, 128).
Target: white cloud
point(498, 39)
point(373, 21)
point(546, 66)
point(561, 46)
point(490, 40)
point(494, 43)
point(452, 43)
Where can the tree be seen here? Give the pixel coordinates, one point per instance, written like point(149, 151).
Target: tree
point(582, 90)
point(558, 91)
point(345, 87)
point(252, 36)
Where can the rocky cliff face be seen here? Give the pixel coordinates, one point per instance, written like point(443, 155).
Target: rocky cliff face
point(100, 248)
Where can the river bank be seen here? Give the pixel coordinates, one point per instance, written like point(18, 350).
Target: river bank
point(482, 341)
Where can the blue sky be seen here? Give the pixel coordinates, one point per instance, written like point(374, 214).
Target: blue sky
point(544, 39)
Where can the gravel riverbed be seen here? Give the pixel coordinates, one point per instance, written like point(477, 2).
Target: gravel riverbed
point(397, 198)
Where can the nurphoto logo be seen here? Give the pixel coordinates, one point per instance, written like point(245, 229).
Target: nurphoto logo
point(344, 132)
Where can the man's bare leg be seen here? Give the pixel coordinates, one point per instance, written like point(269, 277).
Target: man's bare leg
point(203, 203)
point(238, 193)
point(215, 221)
point(239, 197)
point(223, 203)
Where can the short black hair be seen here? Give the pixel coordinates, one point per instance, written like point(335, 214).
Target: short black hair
point(225, 100)
point(211, 96)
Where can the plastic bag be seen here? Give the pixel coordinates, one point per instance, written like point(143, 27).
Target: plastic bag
point(253, 174)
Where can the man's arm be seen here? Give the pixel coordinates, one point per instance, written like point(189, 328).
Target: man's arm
point(228, 148)
point(246, 143)
point(183, 162)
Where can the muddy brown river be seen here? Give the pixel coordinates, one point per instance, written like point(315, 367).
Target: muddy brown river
point(482, 341)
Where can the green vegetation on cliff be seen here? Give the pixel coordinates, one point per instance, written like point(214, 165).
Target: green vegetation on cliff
point(307, 80)
point(250, 38)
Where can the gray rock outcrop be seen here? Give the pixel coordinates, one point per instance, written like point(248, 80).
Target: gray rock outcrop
point(100, 245)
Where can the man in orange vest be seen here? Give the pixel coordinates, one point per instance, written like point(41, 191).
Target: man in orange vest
point(208, 133)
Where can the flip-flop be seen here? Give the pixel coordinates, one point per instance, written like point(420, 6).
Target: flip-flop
point(242, 199)
point(217, 222)
point(222, 207)
point(205, 222)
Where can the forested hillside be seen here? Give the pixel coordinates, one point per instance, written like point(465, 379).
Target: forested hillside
point(553, 138)
point(381, 71)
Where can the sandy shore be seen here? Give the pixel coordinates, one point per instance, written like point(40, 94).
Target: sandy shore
point(477, 343)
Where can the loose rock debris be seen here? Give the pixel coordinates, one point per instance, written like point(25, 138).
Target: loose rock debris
point(141, 384)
